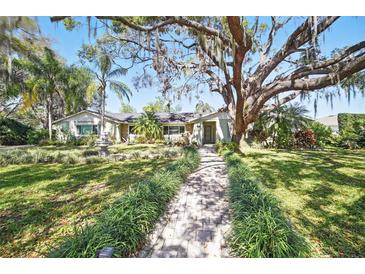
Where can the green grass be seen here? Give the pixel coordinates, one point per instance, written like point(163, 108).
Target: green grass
point(81, 154)
point(259, 228)
point(40, 204)
point(322, 192)
point(126, 224)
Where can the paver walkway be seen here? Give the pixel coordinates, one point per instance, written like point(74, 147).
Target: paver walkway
point(196, 223)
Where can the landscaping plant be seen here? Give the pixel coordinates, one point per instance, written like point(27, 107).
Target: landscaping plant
point(127, 223)
point(259, 228)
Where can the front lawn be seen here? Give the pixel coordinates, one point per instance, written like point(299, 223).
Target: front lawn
point(41, 203)
point(322, 192)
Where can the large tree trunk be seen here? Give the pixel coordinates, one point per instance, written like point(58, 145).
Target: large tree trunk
point(239, 126)
point(244, 115)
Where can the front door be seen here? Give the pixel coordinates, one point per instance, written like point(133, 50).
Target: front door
point(208, 134)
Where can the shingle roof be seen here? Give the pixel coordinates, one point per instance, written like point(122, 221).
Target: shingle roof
point(162, 117)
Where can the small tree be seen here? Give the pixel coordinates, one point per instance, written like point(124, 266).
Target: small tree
point(148, 126)
point(44, 83)
point(203, 107)
point(161, 105)
point(127, 108)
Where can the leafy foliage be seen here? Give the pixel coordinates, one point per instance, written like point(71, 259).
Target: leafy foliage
point(107, 74)
point(37, 136)
point(203, 107)
point(352, 130)
point(322, 133)
point(148, 127)
point(13, 132)
point(260, 229)
point(48, 200)
point(322, 193)
point(126, 225)
point(161, 105)
point(276, 128)
point(346, 121)
point(305, 138)
point(127, 108)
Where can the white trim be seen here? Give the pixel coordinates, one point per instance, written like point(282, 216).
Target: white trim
point(205, 117)
point(107, 118)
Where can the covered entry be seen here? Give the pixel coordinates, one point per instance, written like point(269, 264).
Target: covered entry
point(209, 132)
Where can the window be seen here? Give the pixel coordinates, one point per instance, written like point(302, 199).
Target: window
point(65, 126)
point(87, 129)
point(131, 130)
point(173, 130)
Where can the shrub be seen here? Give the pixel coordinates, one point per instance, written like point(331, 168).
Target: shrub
point(284, 139)
point(305, 138)
point(221, 146)
point(90, 152)
point(359, 127)
point(160, 142)
point(322, 133)
point(127, 223)
point(96, 160)
point(352, 134)
point(20, 156)
point(13, 132)
point(88, 140)
point(37, 136)
point(259, 228)
point(346, 121)
point(140, 140)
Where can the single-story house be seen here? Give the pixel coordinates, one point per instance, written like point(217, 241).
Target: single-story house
point(330, 121)
point(201, 128)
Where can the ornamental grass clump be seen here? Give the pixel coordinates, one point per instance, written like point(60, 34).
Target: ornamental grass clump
point(126, 224)
point(259, 228)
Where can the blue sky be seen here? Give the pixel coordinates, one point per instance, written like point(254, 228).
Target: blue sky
point(346, 31)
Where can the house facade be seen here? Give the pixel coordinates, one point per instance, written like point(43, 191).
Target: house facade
point(199, 128)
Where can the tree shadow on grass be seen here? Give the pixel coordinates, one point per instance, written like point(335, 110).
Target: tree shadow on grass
point(44, 198)
point(331, 188)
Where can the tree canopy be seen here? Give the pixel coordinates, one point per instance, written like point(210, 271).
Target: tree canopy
point(239, 58)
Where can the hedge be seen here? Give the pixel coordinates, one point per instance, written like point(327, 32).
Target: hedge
point(127, 223)
point(259, 228)
point(346, 121)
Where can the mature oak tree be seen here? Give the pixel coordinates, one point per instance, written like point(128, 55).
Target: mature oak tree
point(237, 58)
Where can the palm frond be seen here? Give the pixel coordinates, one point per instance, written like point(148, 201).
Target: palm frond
point(119, 72)
point(104, 63)
point(120, 89)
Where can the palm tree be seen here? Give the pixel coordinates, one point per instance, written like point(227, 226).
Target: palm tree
point(44, 83)
point(282, 121)
point(106, 75)
point(57, 87)
point(148, 126)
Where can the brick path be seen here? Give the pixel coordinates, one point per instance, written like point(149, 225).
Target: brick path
point(197, 221)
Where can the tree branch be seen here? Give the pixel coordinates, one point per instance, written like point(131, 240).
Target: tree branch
point(298, 38)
